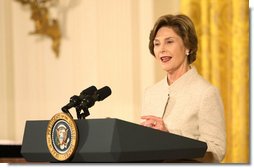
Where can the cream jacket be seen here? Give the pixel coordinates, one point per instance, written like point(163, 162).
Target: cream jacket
point(190, 107)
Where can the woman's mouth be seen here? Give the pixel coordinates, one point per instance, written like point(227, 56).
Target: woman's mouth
point(165, 59)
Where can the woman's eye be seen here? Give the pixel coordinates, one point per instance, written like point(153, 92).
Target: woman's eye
point(169, 42)
point(156, 44)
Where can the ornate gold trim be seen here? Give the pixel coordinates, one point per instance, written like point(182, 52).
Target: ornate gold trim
point(44, 24)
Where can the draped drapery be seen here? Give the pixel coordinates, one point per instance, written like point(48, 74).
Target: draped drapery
point(223, 59)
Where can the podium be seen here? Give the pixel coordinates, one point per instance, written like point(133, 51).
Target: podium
point(113, 140)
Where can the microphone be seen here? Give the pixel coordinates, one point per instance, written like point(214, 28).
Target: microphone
point(99, 95)
point(76, 100)
point(89, 91)
point(102, 93)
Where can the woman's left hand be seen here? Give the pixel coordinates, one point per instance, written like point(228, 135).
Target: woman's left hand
point(154, 122)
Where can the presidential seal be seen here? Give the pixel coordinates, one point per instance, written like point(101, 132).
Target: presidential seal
point(62, 136)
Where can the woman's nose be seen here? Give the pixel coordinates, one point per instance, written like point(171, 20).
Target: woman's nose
point(162, 48)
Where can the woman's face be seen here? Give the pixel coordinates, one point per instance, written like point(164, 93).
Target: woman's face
point(169, 50)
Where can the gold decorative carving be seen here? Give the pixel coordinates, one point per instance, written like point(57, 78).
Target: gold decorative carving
point(44, 24)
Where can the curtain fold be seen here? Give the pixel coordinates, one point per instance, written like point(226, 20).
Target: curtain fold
point(223, 59)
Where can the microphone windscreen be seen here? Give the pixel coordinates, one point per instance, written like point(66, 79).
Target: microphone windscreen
point(103, 93)
point(89, 91)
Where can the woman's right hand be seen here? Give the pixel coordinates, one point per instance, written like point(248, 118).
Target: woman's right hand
point(154, 122)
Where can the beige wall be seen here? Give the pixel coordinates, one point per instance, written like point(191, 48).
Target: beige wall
point(104, 43)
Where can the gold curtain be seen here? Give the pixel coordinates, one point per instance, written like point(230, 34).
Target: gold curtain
point(223, 59)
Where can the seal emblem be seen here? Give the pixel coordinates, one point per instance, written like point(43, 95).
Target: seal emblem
point(62, 136)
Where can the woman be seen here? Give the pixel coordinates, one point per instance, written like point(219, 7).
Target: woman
point(183, 102)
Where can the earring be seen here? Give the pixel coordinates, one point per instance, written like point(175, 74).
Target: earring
point(187, 53)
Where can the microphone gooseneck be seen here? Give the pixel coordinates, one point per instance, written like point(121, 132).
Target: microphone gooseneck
point(76, 100)
point(86, 99)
